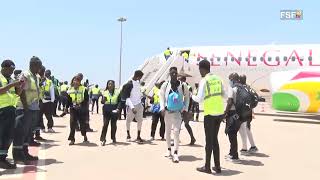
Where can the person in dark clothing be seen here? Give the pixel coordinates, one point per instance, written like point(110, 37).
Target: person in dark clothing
point(186, 119)
point(77, 95)
point(233, 119)
point(112, 102)
point(156, 115)
point(95, 95)
point(123, 107)
point(195, 105)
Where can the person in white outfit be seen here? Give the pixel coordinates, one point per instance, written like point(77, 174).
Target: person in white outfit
point(174, 103)
point(245, 128)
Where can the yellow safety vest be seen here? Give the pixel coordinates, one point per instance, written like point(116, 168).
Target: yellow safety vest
point(156, 98)
point(64, 88)
point(9, 98)
point(111, 99)
point(95, 91)
point(77, 95)
point(185, 55)
point(33, 89)
point(167, 52)
point(213, 101)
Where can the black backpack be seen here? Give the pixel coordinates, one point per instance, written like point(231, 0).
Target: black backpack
point(246, 99)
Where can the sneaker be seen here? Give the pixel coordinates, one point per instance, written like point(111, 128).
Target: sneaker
point(204, 170)
point(85, 139)
point(175, 158)
point(243, 151)
point(51, 130)
point(31, 158)
point(128, 139)
point(39, 138)
point(139, 140)
point(43, 130)
point(89, 130)
point(71, 143)
point(114, 141)
point(168, 154)
point(163, 139)
point(5, 164)
point(103, 143)
point(193, 140)
point(228, 156)
point(217, 170)
point(151, 139)
point(253, 149)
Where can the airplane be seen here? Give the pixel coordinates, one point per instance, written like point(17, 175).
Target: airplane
point(257, 62)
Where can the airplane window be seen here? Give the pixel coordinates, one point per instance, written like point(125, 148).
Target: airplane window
point(269, 58)
point(302, 58)
point(310, 58)
point(232, 59)
point(225, 58)
point(240, 58)
point(247, 59)
point(211, 59)
point(218, 58)
point(277, 58)
point(205, 58)
point(285, 58)
point(293, 58)
point(261, 58)
point(254, 58)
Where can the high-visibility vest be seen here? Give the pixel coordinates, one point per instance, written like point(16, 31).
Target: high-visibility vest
point(95, 91)
point(185, 55)
point(111, 99)
point(213, 101)
point(156, 98)
point(45, 89)
point(167, 52)
point(64, 88)
point(9, 98)
point(77, 95)
point(33, 89)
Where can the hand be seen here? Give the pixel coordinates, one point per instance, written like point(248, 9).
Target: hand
point(163, 112)
point(17, 84)
point(134, 111)
point(184, 113)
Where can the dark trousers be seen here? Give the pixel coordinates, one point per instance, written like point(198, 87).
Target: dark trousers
point(7, 119)
point(188, 127)
point(123, 108)
point(95, 102)
point(211, 129)
point(155, 119)
point(26, 123)
point(196, 109)
point(107, 117)
point(59, 102)
point(233, 126)
point(77, 115)
point(47, 110)
point(55, 107)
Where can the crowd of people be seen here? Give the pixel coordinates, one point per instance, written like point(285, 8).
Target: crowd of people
point(30, 94)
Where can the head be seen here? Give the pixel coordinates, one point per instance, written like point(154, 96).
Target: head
point(234, 78)
point(96, 86)
point(243, 79)
point(158, 85)
point(66, 83)
point(173, 73)
point(7, 68)
point(168, 48)
point(110, 85)
point(76, 82)
point(183, 79)
point(60, 83)
point(196, 85)
point(17, 73)
point(42, 71)
point(80, 75)
point(143, 83)
point(137, 75)
point(35, 65)
point(48, 74)
point(204, 67)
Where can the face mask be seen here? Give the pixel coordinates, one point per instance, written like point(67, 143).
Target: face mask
point(231, 83)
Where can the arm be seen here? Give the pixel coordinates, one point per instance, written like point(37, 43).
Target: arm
point(186, 98)
point(162, 96)
point(6, 88)
point(201, 92)
point(52, 94)
point(229, 101)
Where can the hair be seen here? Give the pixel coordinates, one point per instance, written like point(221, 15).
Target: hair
point(35, 61)
point(96, 85)
point(17, 72)
point(243, 79)
point(143, 83)
point(173, 68)
point(138, 73)
point(204, 64)
point(66, 82)
point(183, 78)
point(7, 63)
point(109, 81)
point(234, 77)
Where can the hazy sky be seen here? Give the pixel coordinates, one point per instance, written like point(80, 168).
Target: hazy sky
point(73, 36)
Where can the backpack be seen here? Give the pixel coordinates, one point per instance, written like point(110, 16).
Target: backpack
point(246, 100)
point(175, 100)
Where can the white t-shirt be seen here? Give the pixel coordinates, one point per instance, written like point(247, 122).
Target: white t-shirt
point(232, 93)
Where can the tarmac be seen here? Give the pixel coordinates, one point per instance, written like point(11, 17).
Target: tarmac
point(288, 149)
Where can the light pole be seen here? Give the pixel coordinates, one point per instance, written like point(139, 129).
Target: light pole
point(121, 20)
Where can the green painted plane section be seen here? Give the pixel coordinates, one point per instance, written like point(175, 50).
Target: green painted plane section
point(285, 102)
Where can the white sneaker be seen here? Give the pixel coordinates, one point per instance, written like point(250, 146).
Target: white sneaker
point(175, 158)
point(151, 139)
point(43, 130)
point(168, 154)
point(51, 131)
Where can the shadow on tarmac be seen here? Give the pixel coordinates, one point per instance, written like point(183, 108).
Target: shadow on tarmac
point(189, 158)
